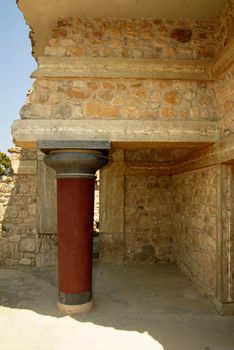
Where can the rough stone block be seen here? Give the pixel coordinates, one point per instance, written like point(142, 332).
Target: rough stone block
point(25, 261)
point(27, 245)
point(98, 110)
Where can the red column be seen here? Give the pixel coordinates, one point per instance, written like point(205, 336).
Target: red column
point(75, 163)
point(75, 202)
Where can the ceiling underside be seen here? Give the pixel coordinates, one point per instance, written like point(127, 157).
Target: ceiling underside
point(42, 15)
point(174, 9)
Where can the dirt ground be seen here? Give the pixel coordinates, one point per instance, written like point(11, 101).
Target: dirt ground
point(136, 307)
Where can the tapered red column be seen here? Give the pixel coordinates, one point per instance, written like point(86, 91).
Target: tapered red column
point(75, 201)
point(75, 172)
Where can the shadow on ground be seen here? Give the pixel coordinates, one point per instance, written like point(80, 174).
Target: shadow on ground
point(136, 307)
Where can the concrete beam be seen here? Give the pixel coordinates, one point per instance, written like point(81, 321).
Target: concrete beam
point(98, 67)
point(27, 133)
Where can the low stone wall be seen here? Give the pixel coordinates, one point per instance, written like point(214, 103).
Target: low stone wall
point(195, 225)
point(17, 220)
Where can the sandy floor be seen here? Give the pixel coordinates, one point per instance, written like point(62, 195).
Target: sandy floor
point(136, 307)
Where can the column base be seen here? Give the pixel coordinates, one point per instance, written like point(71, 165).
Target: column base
point(75, 309)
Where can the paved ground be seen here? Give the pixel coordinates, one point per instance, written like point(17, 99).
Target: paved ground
point(150, 307)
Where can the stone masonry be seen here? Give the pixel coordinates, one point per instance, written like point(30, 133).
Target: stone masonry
point(194, 208)
point(125, 99)
point(18, 235)
point(148, 229)
point(132, 38)
point(148, 221)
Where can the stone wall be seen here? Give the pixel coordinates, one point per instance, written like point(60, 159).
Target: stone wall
point(130, 99)
point(224, 26)
point(224, 91)
point(132, 38)
point(135, 208)
point(18, 233)
point(148, 225)
point(148, 228)
point(125, 98)
point(195, 224)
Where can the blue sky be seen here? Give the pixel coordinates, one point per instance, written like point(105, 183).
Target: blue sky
point(16, 65)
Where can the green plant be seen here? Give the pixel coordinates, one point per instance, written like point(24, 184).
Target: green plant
point(5, 164)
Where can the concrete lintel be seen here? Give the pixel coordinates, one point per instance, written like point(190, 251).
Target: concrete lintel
point(141, 68)
point(27, 133)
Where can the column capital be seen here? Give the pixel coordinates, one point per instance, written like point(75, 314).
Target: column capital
point(75, 159)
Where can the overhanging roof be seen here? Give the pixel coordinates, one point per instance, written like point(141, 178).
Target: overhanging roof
point(42, 15)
